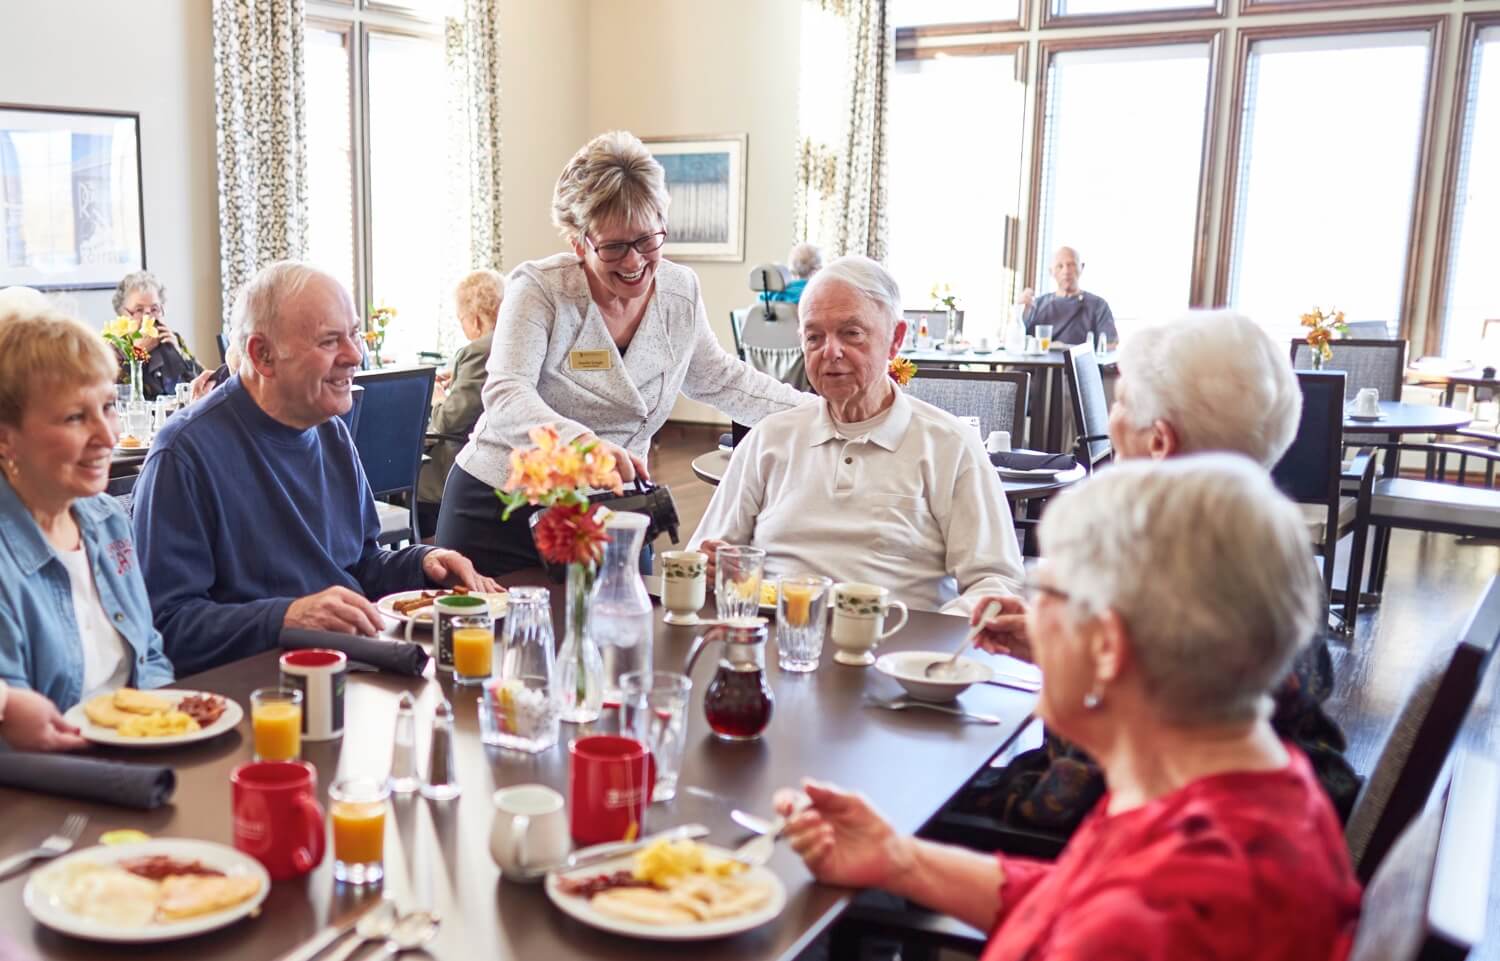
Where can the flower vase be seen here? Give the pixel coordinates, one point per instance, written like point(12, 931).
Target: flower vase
point(580, 668)
point(137, 392)
point(1317, 359)
point(955, 327)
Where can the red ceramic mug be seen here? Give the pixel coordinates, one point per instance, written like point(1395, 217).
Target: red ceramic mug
point(609, 785)
point(277, 819)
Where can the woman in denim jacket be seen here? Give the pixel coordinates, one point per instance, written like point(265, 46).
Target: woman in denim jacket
point(74, 616)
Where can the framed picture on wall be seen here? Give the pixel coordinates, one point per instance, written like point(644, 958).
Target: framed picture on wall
point(706, 178)
point(70, 197)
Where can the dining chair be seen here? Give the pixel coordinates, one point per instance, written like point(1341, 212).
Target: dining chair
point(1311, 474)
point(1369, 330)
point(737, 324)
point(1090, 406)
point(771, 342)
point(122, 489)
point(937, 324)
point(1421, 737)
point(996, 397)
point(1378, 363)
point(1429, 898)
point(389, 435)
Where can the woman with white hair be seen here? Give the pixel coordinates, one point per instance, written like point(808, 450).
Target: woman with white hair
point(599, 342)
point(804, 260)
point(75, 620)
point(1170, 600)
point(166, 362)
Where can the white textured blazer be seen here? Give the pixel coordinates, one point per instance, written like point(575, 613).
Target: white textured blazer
point(553, 361)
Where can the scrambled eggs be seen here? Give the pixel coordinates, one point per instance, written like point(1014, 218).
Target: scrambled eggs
point(665, 862)
point(157, 725)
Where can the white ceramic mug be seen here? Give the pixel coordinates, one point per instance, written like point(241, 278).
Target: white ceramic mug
point(859, 612)
point(683, 585)
point(998, 442)
point(530, 831)
point(1367, 402)
point(320, 675)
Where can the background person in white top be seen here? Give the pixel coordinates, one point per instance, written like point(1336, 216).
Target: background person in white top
point(868, 485)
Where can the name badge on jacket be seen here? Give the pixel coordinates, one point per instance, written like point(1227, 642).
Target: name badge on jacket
point(588, 360)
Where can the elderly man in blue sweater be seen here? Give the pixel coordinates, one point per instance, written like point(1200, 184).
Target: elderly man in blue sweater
point(252, 513)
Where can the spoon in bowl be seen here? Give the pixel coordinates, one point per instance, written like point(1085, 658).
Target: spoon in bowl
point(946, 668)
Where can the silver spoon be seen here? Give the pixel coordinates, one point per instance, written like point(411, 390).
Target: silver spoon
point(375, 924)
point(411, 932)
point(943, 668)
point(900, 705)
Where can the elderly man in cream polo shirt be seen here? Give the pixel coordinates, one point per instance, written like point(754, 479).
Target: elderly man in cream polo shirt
point(870, 484)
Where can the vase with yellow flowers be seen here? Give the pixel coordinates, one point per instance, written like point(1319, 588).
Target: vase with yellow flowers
point(125, 334)
point(380, 319)
point(943, 298)
point(557, 476)
point(1321, 327)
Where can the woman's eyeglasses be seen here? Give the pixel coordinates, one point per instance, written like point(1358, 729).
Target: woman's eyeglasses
point(154, 312)
point(610, 253)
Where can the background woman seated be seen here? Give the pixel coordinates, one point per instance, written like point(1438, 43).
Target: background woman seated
point(1171, 599)
point(168, 362)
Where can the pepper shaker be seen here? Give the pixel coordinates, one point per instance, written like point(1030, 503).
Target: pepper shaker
point(442, 775)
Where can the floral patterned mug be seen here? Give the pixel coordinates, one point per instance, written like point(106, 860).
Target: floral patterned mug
point(859, 612)
point(683, 585)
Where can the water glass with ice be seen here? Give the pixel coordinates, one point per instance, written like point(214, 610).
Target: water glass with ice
point(654, 711)
point(737, 580)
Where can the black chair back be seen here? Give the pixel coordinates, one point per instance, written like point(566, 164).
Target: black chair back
point(1421, 738)
point(223, 348)
point(1368, 363)
point(1310, 469)
point(391, 427)
point(1090, 405)
point(997, 398)
point(937, 324)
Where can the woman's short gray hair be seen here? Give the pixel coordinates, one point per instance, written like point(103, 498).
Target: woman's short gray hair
point(804, 260)
point(137, 280)
point(1219, 380)
point(868, 278)
point(1206, 563)
point(614, 177)
point(258, 304)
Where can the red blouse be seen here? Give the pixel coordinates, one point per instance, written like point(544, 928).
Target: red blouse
point(1245, 866)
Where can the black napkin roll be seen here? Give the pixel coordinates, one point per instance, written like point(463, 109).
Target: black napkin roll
point(1032, 460)
point(143, 786)
point(383, 654)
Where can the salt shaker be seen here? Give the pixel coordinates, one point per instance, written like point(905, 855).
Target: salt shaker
point(403, 779)
point(442, 775)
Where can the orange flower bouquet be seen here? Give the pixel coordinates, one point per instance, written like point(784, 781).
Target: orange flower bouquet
point(901, 371)
point(1321, 326)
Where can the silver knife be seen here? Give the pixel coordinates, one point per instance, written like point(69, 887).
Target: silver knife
point(599, 853)
point(750, 822)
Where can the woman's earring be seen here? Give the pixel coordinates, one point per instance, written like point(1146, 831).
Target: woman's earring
point(1093, 699)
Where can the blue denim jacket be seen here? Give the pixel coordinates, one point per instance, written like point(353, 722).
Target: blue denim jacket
point(39, 646)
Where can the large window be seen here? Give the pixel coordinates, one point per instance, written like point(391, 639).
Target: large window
point(1123, 145)
point(1473, 288)
point(954, 182)
point(378, 178)
point(1328, 159)
point(943, 13)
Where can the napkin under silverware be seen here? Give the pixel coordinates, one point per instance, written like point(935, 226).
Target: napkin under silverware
point(1029, 460)
point(143, 786)
point(383, 654)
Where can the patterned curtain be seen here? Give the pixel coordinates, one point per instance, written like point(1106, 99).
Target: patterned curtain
point(473, 182)
point(258, 82)
point(848, 53)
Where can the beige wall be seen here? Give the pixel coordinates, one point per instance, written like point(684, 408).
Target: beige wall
point(70, 53)
point(675, 67)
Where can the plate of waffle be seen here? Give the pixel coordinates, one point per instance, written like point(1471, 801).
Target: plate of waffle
point(148, 891)
point(160, 718)
point(131, 444)
point(416, 606)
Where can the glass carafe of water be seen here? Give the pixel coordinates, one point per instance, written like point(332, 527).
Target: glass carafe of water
point(619, 607)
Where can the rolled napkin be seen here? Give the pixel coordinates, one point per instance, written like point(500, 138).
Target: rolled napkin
point(1032, 460)
point(143, 786)
point(383, 654)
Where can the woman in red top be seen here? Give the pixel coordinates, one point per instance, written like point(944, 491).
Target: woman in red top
point(1171, 601)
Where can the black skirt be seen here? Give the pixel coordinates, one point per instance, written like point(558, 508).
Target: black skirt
point(469, 522)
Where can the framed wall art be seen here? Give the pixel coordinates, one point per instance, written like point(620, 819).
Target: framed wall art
point(70, 197)
point(706, 179)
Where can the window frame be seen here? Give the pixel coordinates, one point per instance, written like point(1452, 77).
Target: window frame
point(1437, 300)
point(1049, 50)
point(1052, 21)
point(1434, 25)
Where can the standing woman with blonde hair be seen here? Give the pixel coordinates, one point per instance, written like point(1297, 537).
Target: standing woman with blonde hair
point(598, 342)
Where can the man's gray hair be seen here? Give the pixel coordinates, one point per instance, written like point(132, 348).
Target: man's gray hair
point(1207, 565)
point(868, 278)
point(804, 260)
point(137, 280)
point(258, 304)
point(1219, 380)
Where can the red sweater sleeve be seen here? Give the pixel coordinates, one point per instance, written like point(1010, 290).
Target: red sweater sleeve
point(1017, 877)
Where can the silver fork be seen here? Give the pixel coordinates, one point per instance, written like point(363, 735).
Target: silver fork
point(59, 843)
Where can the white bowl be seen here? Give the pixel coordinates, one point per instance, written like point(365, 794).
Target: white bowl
point(907, 668)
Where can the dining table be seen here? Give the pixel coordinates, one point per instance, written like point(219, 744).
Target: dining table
point(825, 724)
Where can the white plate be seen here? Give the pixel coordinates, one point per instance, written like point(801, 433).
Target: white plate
point(1365, 418)
point(48, 910)
point(499, 602)
point(132, 450)
point(1039, 474)
point(228, 721)
point(581, 910)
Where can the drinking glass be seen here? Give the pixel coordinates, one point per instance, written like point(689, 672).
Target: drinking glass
point(737, 581)
point(184, 394)
point(276, 723)
point(138, 420)
point(655, 707)
point(519, 709)
point(801, 620)
point(357, 810)
point(473, 648)
point(1044, 336)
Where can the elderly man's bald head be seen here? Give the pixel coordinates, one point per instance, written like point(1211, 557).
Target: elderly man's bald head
point(1067, 267)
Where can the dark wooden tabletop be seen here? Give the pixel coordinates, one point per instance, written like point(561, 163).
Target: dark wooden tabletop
point(437, 854)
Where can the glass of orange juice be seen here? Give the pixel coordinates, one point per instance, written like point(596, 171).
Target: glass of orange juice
point(473, 648)
point(357, 809)
point(1044, 336)
point(801, 620)
point(276, 720)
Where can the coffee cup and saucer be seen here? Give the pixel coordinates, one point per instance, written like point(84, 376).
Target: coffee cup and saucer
point(1366, 405)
